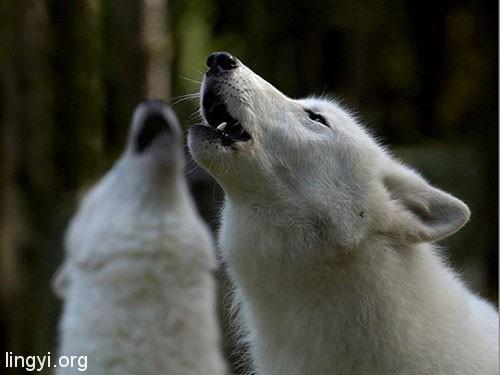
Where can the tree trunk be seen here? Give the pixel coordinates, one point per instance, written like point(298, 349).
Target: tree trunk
point(12, 13)
point(156, 44)
point(124, 70)
point(50, 144)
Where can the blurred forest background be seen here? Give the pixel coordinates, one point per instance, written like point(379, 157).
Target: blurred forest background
point(425, 78)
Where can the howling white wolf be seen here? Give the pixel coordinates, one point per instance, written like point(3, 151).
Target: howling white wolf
point(139, 296)
point(329, 240)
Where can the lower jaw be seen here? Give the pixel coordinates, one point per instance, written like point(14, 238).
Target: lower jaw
point(210, 134)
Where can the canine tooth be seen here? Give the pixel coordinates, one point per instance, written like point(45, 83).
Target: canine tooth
point(222, 126)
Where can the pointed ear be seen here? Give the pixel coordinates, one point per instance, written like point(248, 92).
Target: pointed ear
point(420, 212)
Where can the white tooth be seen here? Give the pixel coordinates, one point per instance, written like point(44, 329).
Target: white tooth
point(222, 126)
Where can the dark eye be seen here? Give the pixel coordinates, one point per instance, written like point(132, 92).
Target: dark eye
point(316, 117)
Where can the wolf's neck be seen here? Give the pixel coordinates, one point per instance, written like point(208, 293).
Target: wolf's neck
point(285, 251)
point(296, 289)
point(271, 255)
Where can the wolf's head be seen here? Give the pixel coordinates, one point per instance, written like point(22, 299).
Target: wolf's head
point(312, 156)
point(125, 211)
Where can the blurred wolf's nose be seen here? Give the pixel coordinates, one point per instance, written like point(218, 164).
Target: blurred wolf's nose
point(153, 118)
point(220, 61)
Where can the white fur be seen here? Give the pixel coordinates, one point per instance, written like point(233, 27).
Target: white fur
point(329, 244)
point(137, 280)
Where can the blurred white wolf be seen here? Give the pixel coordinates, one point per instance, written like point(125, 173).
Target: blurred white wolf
point(137, 280)
point(329, 241)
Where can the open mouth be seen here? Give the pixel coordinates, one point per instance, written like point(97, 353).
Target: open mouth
point(227, 127)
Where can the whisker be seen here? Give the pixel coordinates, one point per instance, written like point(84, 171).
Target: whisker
point(190, 80)
point(196, 115)
point(192, 169)
point(182, 98)
point(191, 94)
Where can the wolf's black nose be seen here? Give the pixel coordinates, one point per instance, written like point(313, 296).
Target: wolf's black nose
point(218, 61)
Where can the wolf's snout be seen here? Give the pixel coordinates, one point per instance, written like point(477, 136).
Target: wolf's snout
point(221, 61)
point(152, 119)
